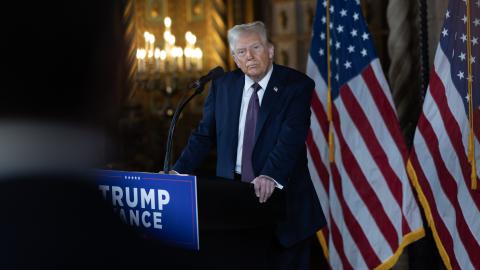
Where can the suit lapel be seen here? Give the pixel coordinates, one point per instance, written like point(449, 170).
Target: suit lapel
point(269, 99)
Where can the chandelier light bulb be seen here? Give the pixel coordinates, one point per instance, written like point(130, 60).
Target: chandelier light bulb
point(168, 22)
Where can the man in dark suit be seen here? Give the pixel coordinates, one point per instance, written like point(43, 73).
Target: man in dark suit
point(258, 117)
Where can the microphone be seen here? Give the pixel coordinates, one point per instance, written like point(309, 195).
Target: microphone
point(198, 85)
point(212, 75)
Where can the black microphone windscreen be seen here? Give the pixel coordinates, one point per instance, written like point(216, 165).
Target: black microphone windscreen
point(212, 75)
point(215, 73)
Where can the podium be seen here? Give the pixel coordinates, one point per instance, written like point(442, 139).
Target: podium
point(235, 229)
point(225, 205)
point(62, 219)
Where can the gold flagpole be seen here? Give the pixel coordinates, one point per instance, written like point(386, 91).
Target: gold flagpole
point(471, 138)
point(331, 143)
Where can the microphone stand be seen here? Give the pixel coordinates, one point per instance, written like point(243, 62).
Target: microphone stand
point(168, 153)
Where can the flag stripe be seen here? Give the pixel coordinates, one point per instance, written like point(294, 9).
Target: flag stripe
point(438, 199)
point(319, 173)
point(368, 100)
point(363, 199)
point(371, 258)
point(383, 161)
point(454, 104)
point(319, 112)
point(440, 226)
point(351, 249)
point(317, 161)
point(450, 190)
point(376, 151)
point(453, 131)
point(320, 83)
point(336, 237)
point(395, 160)
point(380, 84)
point(358, 179)
point(378, 121)
point(371, 79)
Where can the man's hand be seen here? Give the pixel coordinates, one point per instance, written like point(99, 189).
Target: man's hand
point(264, 187)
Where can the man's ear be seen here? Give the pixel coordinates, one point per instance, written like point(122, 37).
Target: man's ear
point(271, 51)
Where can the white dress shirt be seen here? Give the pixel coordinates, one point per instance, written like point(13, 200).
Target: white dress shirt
point(247, 93)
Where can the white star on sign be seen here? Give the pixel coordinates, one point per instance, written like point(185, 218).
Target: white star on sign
point(343, 12)
point(460, 75)
point(462, 56)
point(351, 49)
point(348, 65)
point(364, 52)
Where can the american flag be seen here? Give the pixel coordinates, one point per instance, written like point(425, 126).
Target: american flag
point(439, 158)
point(365, 192)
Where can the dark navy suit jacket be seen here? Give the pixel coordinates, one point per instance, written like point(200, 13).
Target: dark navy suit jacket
point(279, 152)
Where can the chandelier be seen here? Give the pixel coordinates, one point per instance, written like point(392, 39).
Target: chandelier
point(165, 66)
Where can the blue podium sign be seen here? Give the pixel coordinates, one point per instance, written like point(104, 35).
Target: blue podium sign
point(160, 205)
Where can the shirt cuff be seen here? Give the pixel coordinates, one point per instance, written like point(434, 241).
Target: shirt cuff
point(277, 185)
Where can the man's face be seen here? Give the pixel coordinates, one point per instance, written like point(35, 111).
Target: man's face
point(253, 56)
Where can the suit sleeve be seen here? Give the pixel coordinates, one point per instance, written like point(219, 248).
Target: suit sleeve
point(293, 133)
point(201, 140)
